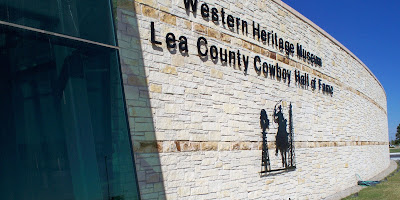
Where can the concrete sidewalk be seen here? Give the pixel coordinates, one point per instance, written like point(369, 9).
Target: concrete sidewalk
point(357, 188)
point(395, 156)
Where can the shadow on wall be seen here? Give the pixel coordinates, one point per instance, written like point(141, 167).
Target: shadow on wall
point(143, 137)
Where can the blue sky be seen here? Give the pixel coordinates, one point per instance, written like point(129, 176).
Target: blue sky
point(371, 30)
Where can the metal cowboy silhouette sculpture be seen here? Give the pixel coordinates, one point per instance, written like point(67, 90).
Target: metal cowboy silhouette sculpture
point(282, 143)
point(264, 123)
point(284, 140)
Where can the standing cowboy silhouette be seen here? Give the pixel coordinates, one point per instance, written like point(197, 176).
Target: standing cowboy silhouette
point(264, 123)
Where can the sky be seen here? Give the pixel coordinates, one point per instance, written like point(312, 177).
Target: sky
point(371, 30)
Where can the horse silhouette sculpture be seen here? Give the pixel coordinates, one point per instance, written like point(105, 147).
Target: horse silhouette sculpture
point(281, 143)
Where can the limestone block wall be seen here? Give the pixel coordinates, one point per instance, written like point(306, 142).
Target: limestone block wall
point(195, 121)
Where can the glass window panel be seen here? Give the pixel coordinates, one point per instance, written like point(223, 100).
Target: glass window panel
point(87, 19)
point(64, 132)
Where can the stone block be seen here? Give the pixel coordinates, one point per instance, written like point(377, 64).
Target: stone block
point(226, 38)
point(171, 146)
point(188, 24)
point(172, 108)
point(183, 191)
point(224, 146)
point(235, 146)
point(171, 89)
point(177, 60)
point(155, 88)
point(189, 146)
point(245, 145)
point(272, 55)
point(136, 81)
point(217, 74)
point(279, 57)
point(153, 178)
point(169, 70)
point(198, 74)
point(247, 45)
point(211, 126)
point(199, 190)
point(256, 49)
point(149, 12)
point(264, 52)
point(139, 112)
point(146, 147)
point(168, 18)
point(138, 8)
point(209, 146)
point(230, 108)
point(200, 28)
point(131, 92)
point(148, 127)
point(214, 33)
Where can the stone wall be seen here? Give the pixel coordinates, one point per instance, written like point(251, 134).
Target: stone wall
point(195, 121)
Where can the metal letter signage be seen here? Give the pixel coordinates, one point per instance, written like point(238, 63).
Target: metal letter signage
point(284, 141)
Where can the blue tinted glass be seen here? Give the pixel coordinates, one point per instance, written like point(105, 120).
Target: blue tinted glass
point(87, 19)
point(64, 132)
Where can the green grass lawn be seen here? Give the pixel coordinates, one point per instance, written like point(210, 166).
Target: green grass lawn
point(393, 150)
point(389, 189)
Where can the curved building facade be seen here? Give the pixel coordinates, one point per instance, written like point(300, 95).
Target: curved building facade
point(197, 75)
point(183, 99)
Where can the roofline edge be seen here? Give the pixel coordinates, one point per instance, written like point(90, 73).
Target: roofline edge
point(323, 32)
